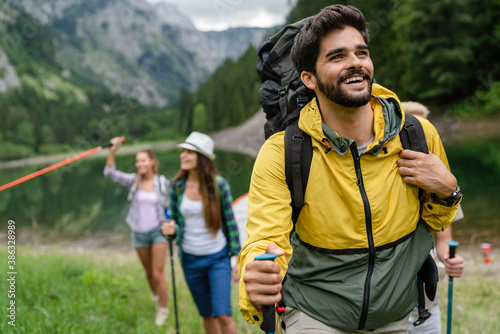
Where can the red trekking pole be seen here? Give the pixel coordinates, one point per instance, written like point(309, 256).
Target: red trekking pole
point(57, 165)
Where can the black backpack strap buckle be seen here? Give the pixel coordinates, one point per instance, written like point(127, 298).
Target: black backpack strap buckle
point(423, 313)
point(302, 100)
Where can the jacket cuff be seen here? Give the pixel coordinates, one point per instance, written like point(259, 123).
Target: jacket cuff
point(247, 309)
point(108, 170)
point(434, 214)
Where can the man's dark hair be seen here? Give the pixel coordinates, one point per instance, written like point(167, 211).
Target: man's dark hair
point(305, 50)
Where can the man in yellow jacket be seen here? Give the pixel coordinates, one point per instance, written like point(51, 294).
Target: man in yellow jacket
point(363, 233)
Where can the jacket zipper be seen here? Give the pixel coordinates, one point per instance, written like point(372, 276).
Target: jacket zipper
point(369, 232)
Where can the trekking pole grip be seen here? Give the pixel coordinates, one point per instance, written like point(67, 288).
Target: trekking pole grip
point(453, 245)
point(268, 325)
point(122, 139)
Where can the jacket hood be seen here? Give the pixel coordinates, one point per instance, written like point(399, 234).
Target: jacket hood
point(388, 120)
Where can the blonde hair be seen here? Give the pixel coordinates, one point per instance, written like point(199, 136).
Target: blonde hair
point(416, 109)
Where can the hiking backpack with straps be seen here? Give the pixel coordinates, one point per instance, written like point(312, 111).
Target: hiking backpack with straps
point(282, 96)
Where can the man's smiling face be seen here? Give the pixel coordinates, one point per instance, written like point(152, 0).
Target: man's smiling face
point(344, 70)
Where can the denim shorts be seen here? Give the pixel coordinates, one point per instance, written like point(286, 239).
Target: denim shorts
point(146, 239)
point(209, 280)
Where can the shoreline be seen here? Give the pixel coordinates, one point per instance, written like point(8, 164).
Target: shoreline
point(248, 137)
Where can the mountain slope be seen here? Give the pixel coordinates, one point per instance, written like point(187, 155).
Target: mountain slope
point(121, 45)
point(134, 49)
point(212, 47)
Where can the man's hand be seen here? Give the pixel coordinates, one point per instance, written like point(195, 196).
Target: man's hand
point(455, 266)
point(263, 280)
point(428, 172)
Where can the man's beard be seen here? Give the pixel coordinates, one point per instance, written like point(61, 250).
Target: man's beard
point(339, 96)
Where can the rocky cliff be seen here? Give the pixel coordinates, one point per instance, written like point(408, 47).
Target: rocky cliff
point(132, 48)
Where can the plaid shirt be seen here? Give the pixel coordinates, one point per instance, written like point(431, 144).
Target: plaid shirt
point(127, 180)
point(229, 226)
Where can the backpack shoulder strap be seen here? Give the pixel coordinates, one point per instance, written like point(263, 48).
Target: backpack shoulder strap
point(413, 138)
point(298, 156)
point(132, 189)
point(412, 135)
point(164, 183)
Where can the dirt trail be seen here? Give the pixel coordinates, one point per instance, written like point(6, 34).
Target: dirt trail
point(246, 138)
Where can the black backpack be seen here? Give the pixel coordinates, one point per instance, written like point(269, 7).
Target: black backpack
point(282, 95)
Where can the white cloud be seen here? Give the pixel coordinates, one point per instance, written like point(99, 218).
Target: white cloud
point(223, 14)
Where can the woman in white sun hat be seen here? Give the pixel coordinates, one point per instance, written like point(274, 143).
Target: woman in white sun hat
point(205, 230)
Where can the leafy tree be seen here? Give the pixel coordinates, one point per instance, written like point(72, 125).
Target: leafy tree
point(446, 48)
point(186, 110)
point(200, 118)
point(25, 134)
point(47, 134)
point(439, 53)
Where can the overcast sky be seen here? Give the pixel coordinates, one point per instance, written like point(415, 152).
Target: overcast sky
point(223, 14)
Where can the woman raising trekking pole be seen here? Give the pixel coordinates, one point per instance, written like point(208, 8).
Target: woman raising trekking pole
point(149, 197)
point(206, 232)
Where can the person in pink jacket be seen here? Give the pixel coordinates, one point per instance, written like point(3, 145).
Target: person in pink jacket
point(148, 198)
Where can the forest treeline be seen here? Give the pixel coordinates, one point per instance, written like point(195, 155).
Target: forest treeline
point(440, 53)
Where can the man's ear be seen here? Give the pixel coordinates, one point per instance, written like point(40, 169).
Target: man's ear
point(308, 79)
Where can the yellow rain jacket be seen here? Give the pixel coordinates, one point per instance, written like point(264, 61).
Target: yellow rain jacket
point(362, 234)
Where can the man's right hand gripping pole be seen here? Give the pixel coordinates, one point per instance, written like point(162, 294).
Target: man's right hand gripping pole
point(263, 284)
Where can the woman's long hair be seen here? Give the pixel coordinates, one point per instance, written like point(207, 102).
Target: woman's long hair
point(209, 192)
point(151, 156)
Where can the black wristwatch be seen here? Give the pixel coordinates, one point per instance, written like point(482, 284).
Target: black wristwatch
point(452, 200)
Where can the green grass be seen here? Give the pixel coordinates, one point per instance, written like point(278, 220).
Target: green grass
point(476, 296)
point(61, 291)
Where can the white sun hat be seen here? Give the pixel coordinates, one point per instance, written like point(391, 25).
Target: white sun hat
point(201, 143)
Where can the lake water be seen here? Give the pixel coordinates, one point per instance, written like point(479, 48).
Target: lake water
point(78, 201)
